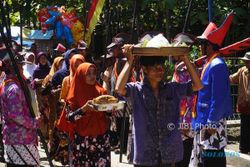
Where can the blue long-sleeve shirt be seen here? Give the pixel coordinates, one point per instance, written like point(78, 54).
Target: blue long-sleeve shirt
point(214, 100)
point(155, 131)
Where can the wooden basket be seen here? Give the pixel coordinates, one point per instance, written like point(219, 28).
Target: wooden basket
point(163, 51)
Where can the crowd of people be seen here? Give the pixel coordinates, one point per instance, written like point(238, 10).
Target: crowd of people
point(179, 123)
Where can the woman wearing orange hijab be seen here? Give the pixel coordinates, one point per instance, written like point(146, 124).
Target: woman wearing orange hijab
point(59, 144)
point(74, 62)
point(90, 145)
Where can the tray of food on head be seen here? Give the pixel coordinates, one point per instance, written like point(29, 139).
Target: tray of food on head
point(107, 103)
point(161, 51)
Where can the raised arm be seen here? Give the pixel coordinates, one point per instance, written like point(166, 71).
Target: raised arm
point(234, 78)
point(106, 79)
point(197, 85)
point(124, 74)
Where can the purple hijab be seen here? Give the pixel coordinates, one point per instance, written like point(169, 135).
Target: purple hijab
point(41, 71)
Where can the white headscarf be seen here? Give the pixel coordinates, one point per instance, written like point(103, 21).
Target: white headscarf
point(28, 68)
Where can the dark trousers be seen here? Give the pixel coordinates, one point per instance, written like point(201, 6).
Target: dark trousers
point(160, 164)
point(212, 158)
point(119, 124)
point(245, 133)
point(1, 147)
point(188, 146)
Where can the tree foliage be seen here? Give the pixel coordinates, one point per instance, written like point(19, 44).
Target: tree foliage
point(166, 16)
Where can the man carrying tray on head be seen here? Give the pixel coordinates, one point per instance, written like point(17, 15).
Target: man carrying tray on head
point(156, 138)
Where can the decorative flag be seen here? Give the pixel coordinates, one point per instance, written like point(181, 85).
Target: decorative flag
point(92, 18)
point(236, 47)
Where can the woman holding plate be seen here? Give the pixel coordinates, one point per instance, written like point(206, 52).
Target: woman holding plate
point(88, 129)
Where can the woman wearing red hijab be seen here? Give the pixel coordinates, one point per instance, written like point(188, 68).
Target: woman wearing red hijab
point(59, 144)
point(90, 145)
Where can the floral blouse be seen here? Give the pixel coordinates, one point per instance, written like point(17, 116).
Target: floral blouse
point(187, 105)
point(18, 125)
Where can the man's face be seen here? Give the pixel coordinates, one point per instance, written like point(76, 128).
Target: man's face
point(203, 49)
point(155, 72)
point(116, 51)
point(247, 63)
point(110, 61)
point(206, 48)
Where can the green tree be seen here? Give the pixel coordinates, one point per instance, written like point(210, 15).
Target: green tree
point(166, 16)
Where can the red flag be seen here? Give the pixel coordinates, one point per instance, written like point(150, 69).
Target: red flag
point(92, 18)
point(238, 46)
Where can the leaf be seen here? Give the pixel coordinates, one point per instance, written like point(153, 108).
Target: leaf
point(241, 12)
point(203, 17)
point(14, 17)
point(193, 19)
point(170, 4)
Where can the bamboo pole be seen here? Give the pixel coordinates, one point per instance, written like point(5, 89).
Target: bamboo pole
point(187, 16)
point(21, 24)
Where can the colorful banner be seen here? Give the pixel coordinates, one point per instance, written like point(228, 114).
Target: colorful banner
point(92, 18)
point(236, 47)
point(64, 22)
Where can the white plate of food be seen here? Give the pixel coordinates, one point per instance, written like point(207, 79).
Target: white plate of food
point(107, 103)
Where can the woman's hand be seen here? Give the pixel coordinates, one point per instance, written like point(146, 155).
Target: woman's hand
point(38, 120)
point(38, 81)
point(88, 106)
point(55, 91)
